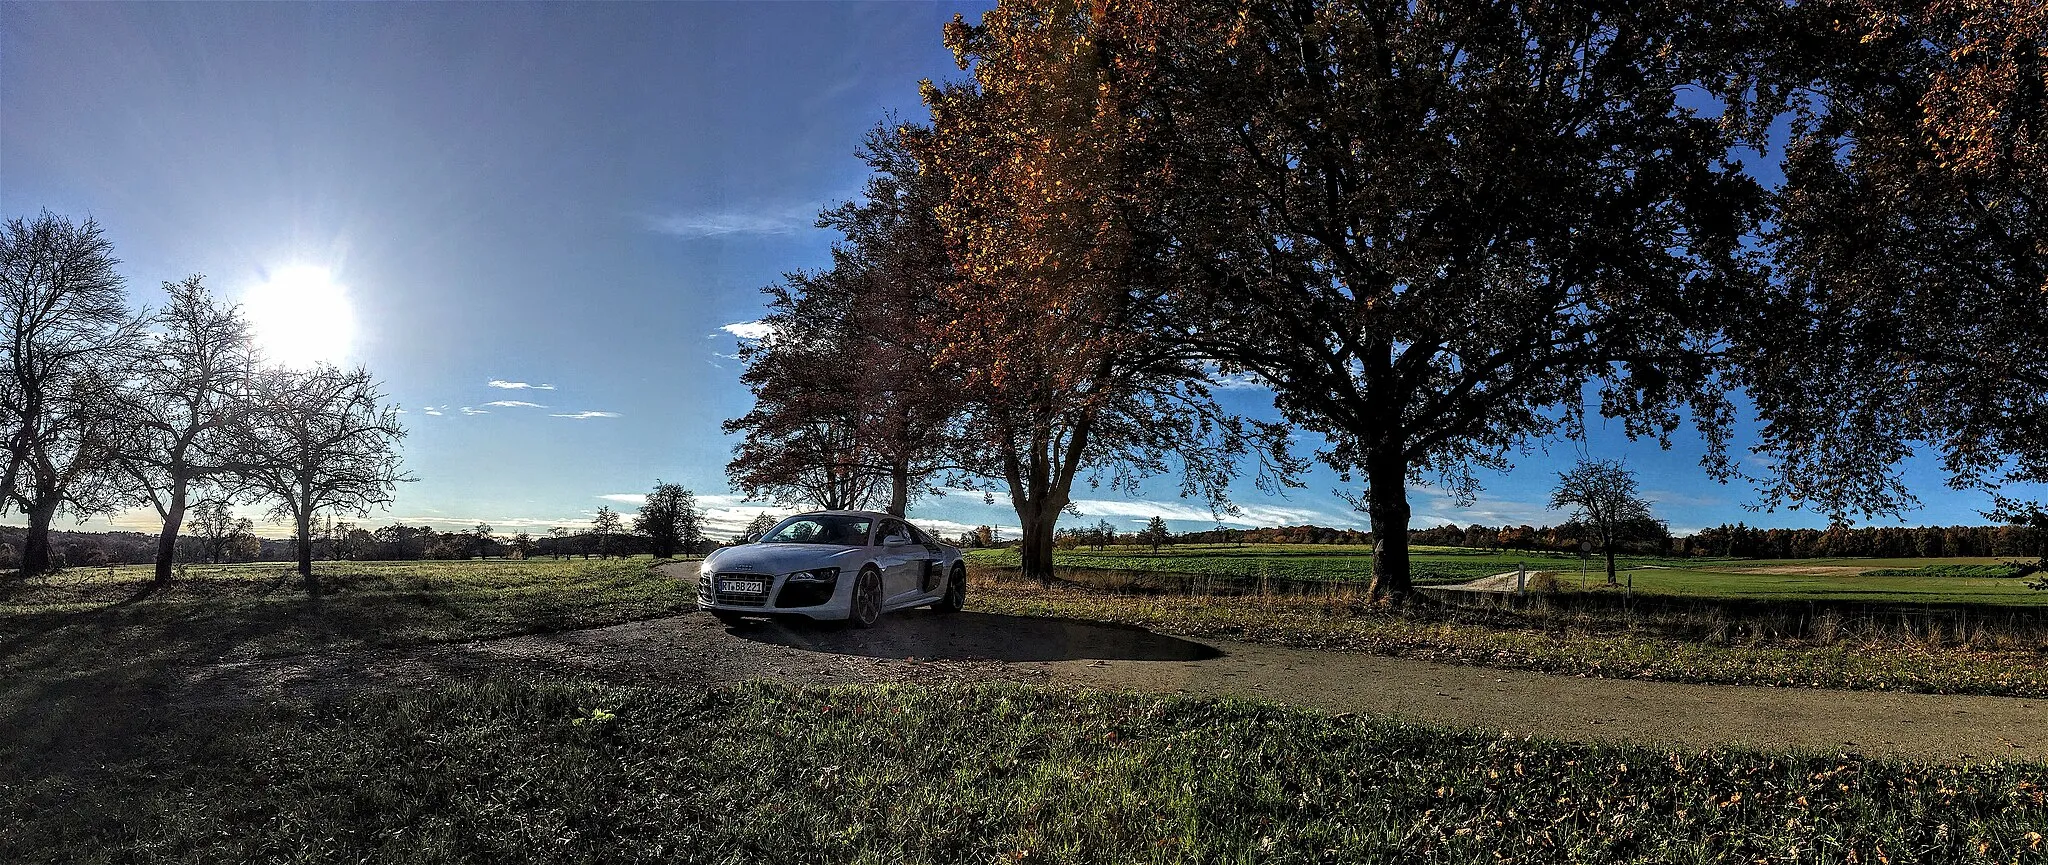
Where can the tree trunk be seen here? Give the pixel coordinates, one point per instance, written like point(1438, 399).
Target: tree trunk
point(1608, 546)
point(167, 540)
point(899, 488)
point(35, 549)
point(1387, 508)
point(1036, 546)
point(305, 546)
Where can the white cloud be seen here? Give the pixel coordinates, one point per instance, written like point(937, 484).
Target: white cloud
point(584, 415)
point(726, 514)
point(692, 225)
point(1240, 381)
point(947, 530)
point(431, 410)
point(1436, 508)
point(625, 498)
point(519, 385)
point(748, 329)
point(514, 403)
point(499, 525)
point(1247, 515)
point(473, 411)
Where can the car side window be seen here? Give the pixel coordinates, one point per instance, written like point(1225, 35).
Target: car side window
point(918, 535)
point(890, 529)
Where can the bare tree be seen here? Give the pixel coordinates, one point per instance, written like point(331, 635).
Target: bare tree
point(485, 535)
point(1602, 494)
point(561, 537)
point(319, 440)
point(604, 525)
point(185, 380)
point(67, 322)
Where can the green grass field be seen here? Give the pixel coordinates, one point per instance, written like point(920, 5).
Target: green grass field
point(1278, 561)
point(1786, 579)
point(509, 771)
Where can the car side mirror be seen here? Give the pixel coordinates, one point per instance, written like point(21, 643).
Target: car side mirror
point(895, 541)
point(754, 538)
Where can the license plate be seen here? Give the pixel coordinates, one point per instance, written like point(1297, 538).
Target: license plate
point(743, 587)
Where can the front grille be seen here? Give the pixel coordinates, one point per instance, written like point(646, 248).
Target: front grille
point(742, 599)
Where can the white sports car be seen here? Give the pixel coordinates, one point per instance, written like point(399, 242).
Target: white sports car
point(833, 565)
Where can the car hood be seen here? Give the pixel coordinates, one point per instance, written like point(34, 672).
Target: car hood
point(782, 558)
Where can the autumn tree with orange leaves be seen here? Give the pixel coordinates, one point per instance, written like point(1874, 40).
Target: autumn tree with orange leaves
point(1063, 374)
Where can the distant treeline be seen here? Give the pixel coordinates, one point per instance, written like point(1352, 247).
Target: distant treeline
point(390, 543)
point(404, 543)
point(1647, 538)
point(1747, 542)
point(1926, 542)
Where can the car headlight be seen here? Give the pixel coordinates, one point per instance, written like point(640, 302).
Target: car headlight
point(815, 575)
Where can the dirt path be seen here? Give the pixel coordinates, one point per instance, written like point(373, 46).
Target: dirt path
point(1581, 709)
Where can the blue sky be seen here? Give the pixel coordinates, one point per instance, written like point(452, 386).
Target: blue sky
point(575, 197)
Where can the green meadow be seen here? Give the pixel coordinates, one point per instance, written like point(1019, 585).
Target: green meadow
point(1931, 580)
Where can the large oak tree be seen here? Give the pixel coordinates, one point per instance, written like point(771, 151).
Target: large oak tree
point(1439, 228)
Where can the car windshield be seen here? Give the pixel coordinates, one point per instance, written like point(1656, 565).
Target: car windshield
point(832, 529)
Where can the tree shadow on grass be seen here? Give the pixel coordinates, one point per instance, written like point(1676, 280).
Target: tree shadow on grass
point(927, 635)
point(76, 684)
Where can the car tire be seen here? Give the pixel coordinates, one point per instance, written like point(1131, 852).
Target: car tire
point(864, 609)
point(955, 598)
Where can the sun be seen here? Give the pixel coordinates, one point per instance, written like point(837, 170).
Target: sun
point(301, 316)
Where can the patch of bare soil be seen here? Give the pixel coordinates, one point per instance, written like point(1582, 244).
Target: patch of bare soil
point(1501, 582)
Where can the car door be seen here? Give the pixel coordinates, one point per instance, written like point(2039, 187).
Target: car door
point(932, 565)
point(901, 560)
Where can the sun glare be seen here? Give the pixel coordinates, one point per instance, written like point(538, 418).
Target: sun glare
point(301, 316)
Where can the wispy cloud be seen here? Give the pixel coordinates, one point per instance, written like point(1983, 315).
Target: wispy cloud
point(767, 222)
point(625, 498)
point(749, 329)
point(434, 410)
point(473, 411)
point(1247, 515)
point(585, 415)
point(519, 385)
point(1436, 508)
point(514, 403)
point(501, 525)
